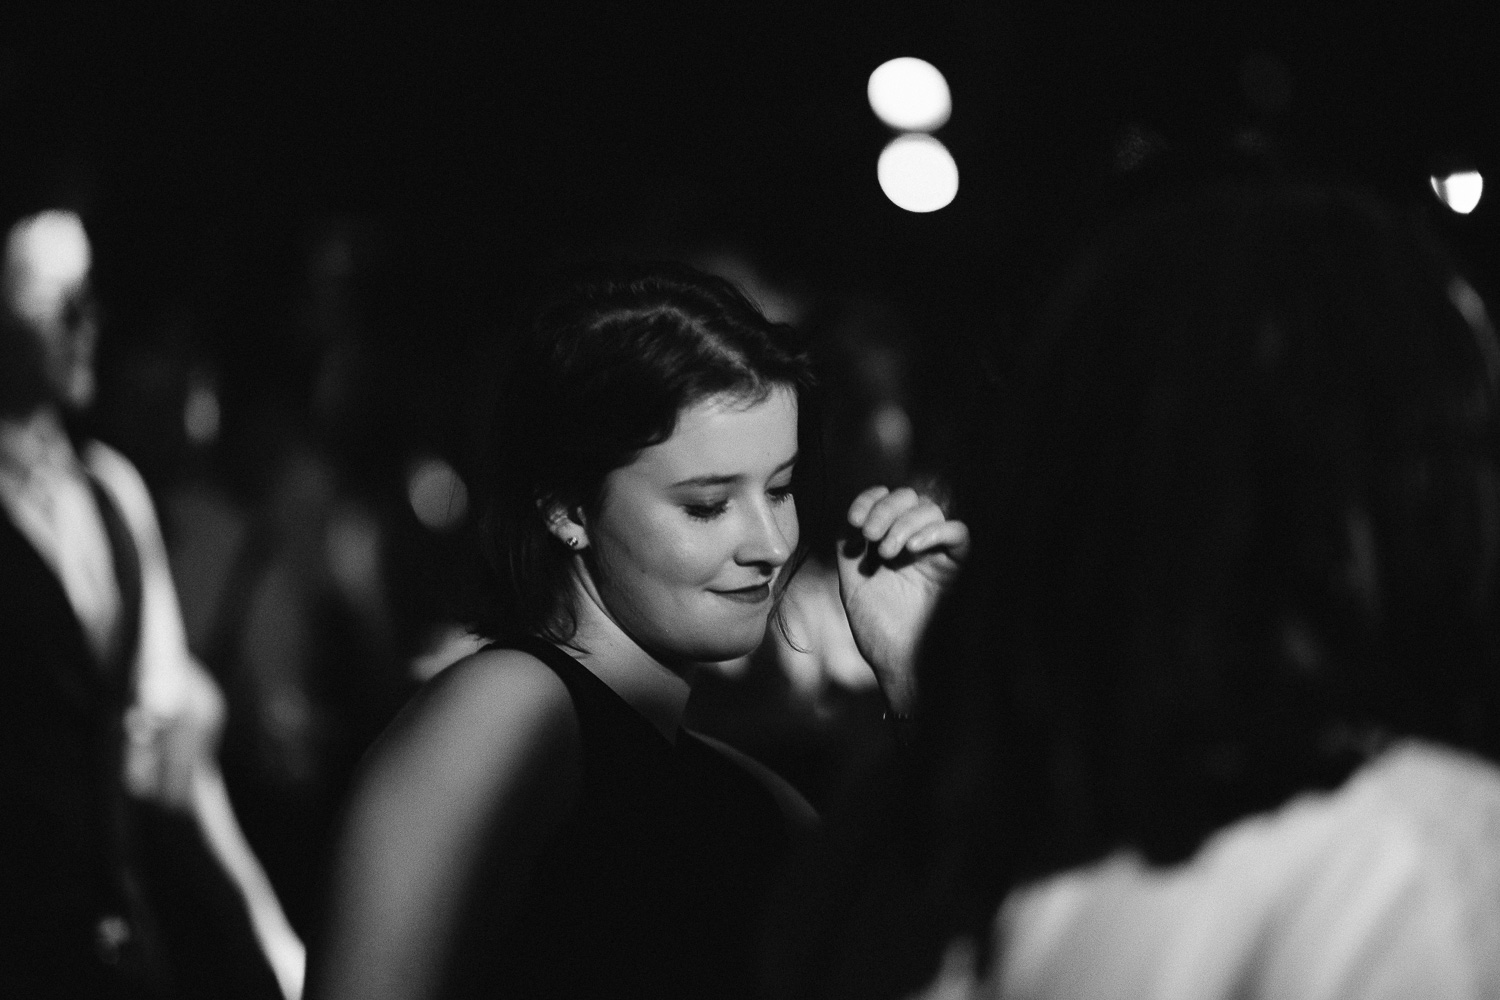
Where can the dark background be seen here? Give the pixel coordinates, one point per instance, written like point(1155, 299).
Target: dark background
point(483, 145)
point(458, 156)
point(332, 214)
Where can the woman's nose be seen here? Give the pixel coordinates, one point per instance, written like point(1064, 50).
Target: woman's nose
point(765, 542)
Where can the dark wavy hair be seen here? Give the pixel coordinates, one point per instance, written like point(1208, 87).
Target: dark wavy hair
point(1250, 534)
point(609, 360)
point(1235, 529)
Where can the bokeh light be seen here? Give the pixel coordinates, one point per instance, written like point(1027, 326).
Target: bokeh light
point(437, 493)
point(917, 173)
point(352, 548)
point(201, 411)
point(910, 94)
point(1460, 190)
point(892, 429)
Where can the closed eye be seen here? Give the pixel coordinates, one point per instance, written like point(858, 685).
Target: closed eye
point(708, 511)
point(705, 511)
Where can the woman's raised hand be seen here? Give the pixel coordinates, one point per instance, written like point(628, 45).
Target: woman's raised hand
point(901, 553)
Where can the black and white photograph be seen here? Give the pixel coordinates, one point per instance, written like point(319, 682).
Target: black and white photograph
point(947, 501)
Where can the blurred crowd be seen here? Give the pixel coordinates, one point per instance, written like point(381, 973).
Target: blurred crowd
point(273, 549)
point(311, 504)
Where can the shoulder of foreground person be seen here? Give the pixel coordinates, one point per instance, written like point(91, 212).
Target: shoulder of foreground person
point(478, 770)
point(1385, 887)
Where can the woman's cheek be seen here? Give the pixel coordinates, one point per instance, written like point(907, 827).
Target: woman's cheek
point(700, 556)
point(677, 548)
point(791, 526)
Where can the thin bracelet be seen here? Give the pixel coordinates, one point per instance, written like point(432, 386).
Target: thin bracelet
point(903, 727)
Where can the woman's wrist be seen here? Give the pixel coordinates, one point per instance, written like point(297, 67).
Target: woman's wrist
point(900, 704)
point(899, 690)
point(902, 727)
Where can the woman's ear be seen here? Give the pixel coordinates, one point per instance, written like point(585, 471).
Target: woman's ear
point(565, 523)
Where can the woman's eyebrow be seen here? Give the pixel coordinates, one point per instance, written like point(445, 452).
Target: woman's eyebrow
point(721, 479)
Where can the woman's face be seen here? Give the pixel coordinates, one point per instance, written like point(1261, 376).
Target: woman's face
point(691, 536)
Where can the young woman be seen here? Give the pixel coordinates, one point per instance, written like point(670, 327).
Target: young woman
point(538, 823)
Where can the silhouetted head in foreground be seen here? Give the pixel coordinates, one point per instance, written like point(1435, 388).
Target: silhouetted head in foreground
point(1234, 532)
point(1247, 511)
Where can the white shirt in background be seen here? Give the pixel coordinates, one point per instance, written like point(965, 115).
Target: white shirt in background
point(45, 492)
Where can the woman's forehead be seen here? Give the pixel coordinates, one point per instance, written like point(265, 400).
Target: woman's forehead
point(726, 435)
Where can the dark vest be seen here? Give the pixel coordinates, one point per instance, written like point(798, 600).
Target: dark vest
point(72, 920)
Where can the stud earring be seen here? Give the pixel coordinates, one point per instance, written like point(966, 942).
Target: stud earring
point(572, 541)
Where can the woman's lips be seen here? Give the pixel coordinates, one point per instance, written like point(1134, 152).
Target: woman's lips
point(747, 595)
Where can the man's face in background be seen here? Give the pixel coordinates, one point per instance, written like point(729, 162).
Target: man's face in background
point(48, 327)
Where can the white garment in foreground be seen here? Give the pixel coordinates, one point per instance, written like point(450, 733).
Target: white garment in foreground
point(1388, 887)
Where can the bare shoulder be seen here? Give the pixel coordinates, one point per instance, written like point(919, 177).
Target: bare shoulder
point(799, 814)
point(500, 680)
point(472, 776)
point(496, 712)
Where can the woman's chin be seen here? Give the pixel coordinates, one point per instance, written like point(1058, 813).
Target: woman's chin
point(731, 669)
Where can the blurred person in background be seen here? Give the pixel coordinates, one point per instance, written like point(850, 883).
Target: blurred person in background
point(538, 822)
point(1214, 714)
point(123, 871)
point(284, 528)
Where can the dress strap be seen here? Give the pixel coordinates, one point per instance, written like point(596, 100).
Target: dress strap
point(600, 709)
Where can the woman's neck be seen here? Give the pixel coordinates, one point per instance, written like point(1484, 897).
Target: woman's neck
point(644, 682)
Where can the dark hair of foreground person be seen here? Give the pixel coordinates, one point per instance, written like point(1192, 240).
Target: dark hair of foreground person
point(1235, 536)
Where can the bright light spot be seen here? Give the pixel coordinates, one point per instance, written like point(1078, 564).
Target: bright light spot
point(200, 412)
point(1459, 191)
point(49, 257)
point(917, 173)
point(437, 494)
point(910, 94)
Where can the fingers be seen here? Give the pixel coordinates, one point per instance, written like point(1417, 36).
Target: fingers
point(877, 508)
point(904, 528)
point(950, 535)
point(860, 508)
point(903, 519)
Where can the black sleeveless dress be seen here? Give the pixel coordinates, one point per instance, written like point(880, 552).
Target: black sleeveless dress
point(652, 887)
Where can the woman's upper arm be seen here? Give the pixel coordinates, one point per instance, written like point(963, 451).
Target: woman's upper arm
point(479, 769)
